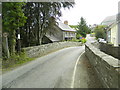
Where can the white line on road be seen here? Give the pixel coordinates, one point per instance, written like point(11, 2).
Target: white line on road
point(73, 77)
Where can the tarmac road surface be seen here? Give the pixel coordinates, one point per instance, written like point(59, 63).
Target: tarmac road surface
point(54, 70)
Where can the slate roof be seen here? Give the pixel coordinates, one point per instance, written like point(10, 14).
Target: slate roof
point(65, 27)
point(52, 38)
point(109, 20)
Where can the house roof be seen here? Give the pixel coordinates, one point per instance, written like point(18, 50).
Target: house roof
point(52, 38)
point(65, 27)
point(109, 20)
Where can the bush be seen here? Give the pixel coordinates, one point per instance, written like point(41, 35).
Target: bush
point(78, 36)
point(75, 40)
point(83, 40)
point(100, 34)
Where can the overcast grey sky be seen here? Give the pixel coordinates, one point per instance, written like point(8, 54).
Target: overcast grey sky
point(94, 11)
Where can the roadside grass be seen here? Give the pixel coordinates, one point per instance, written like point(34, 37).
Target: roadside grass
point(14, 61)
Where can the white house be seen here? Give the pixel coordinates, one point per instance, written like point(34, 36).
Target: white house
point(113, 30)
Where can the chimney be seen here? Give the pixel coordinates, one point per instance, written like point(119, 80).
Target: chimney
point(66, 22)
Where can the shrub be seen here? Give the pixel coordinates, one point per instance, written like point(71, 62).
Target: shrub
point(74, 40)
point(100, 32)
point(78, 36)
point(83, 40)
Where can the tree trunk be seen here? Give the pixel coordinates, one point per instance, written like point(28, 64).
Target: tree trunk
point(18, 41)
point(38, 34)
point(38, 19)
point(5, 46)
point(13, 42)
point(29, 35)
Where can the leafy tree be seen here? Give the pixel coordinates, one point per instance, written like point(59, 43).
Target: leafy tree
point(29, 30)
point(100, 31)
point(41, 19)
point(83, 29)
point(47, 11)
point(13, 18)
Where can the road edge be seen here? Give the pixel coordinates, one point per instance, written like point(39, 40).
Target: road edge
point(73, 77)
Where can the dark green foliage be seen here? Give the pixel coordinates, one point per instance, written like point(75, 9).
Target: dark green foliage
point(100, 32)
point(83, 29)
point(12, 18)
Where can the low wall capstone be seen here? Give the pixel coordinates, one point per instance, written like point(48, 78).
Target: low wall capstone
point(107, 67)
point(41, 50)
point(110, 49)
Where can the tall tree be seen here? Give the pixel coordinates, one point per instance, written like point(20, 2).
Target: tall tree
point(48, 10)
point(83, 29)
point(12, 18)
point(41, 18)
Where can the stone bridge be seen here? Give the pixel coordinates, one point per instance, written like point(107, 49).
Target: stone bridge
point(106, 67)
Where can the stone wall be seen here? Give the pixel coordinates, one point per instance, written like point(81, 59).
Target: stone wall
point(107, 67)
point(110, 49)
point(41, 50)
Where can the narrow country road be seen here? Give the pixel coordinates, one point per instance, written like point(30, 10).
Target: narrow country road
point(54, 70)
point(90, 39)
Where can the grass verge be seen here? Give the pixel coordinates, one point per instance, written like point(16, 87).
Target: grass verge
point(14, 61)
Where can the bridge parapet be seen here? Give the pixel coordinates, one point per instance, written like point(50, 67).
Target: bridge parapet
point(107, 67)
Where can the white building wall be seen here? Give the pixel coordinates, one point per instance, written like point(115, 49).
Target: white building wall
point(119, 33)
point(70, 34)
point(109, 36)
point(114, 35)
